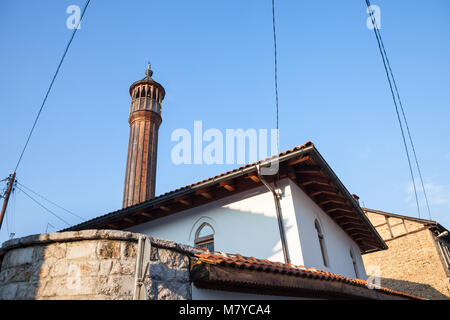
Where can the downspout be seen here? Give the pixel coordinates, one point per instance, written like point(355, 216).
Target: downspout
point(276, 198)
point(143, 251)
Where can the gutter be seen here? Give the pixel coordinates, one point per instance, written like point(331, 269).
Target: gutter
point(276, 198)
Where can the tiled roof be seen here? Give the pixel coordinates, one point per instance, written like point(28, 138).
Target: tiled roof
point(302, 164)
point(195, 184)
point(258, 265)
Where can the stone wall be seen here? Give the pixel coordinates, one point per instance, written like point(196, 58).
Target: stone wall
point(91, 264)
point(169, 271)
point(411, 265)
point(72, 265)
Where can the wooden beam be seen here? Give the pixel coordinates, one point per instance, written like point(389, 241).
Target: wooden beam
point(291, 173)
point(183, 200)
point(324, 202)
point(145, 214)
point(340, 216)
point(355, 229)
point(351, 222)
point(316, 190)
point(317, 181)
point(324, 199)
point(164, 208)
point(112, 225)
point(228, 185)
point(308, 169)
point(204, 193)
point(128, 220)
point(332, 207)
point(354, 226)
point(254, 177)
point(365, 240)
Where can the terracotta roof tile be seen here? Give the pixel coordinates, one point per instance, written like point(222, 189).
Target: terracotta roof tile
point(252, 263)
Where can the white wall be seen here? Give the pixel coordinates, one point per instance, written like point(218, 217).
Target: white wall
point(337, 242)
point(246, 223)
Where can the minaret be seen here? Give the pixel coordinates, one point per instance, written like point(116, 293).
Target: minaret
point(145, 118)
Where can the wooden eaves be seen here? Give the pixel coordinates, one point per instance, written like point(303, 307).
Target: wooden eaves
point(303, 165)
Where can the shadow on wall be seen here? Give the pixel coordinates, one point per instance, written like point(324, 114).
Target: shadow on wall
point(20, 273)
point(419, 289)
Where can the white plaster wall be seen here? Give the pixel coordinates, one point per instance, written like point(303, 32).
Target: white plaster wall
point(245, 223)
point(337, 242)
point(206, 294)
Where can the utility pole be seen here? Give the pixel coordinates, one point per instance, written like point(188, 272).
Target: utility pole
point(8, 193)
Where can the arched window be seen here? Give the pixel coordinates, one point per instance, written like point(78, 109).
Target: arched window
point(355, 266)
point(323, 248)
point(204, 237)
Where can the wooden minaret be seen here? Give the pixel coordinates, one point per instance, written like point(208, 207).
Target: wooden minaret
point(145, 119)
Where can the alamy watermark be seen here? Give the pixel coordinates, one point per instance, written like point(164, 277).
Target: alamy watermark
point(374, 280)
point(374, 19)
point(235, 146)
point(74, 20)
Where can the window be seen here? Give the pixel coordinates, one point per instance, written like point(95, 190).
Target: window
point(355, 266)
point(204, 237)
point(321, 242)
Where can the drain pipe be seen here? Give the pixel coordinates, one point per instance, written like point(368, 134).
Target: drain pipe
point(140, 272)
point(277, 197)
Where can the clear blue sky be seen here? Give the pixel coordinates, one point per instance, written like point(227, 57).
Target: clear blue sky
point(215, 60)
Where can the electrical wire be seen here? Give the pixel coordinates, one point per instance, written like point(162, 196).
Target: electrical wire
point(387, 70)
point(51, 84)
point(376, 28)
point(44, 207)
point(276, 71)
point(53, 203)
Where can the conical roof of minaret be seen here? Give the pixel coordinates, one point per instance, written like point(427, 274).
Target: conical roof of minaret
point(148, 80)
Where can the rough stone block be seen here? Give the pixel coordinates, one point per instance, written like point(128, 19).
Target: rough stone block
point(80, 250)
point(164, 290)
point(105, 267)
point(128, 250)
point(172, 259)
point(19, 257)
point(108, 249)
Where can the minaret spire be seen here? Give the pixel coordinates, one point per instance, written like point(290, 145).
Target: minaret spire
point(145, 119)
point(149, 71)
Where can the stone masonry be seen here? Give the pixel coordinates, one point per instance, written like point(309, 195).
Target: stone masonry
point(412, 263)
point(91, 264)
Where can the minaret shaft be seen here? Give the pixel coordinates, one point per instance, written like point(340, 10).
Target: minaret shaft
point(144, 120)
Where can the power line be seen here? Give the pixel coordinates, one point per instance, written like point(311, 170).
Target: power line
point(48, 200)
point(51, 84)
point(44, 207)
point(276, 70)
point(389, 74)
point(403, 114)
